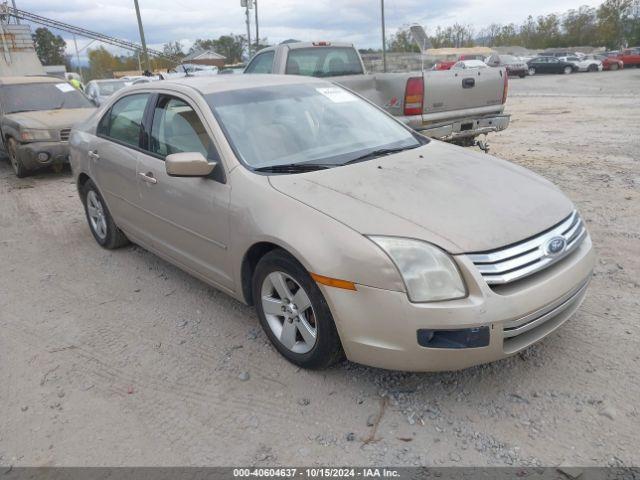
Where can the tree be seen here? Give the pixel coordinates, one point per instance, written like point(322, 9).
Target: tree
point(580, 26)
point(613, 17)
point(50, 48)
point(402, 41)
point(231, 46)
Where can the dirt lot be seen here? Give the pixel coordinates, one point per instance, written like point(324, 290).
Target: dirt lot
point(118, 358)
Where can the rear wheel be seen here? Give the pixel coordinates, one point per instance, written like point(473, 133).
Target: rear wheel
point(293, 312)
point(532, 71)
point(101, 224)
point(522, 75)
point(592, 68)
point(18, 167)
point(567, 70)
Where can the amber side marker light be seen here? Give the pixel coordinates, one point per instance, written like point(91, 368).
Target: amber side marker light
point(333, 282)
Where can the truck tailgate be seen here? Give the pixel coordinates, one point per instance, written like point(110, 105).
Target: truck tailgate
point(461, 90)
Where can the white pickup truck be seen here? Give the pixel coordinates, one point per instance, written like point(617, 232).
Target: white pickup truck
point(450, 105)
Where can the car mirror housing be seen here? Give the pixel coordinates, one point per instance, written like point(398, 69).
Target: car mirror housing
point(188, 164)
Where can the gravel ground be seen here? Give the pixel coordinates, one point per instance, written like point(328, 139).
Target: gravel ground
point(118, 358)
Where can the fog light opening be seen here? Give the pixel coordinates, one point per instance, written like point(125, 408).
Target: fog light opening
point(43, 157)
point(461, 338)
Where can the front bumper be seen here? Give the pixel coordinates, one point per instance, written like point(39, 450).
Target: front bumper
point(460, 128)
point(380, 327)
point(57, 152)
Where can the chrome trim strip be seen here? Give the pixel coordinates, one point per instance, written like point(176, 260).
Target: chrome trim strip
point(532, 320)
point(528, 257)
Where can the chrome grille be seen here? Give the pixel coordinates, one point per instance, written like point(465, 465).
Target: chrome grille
point(529, 256)
point(64, 134)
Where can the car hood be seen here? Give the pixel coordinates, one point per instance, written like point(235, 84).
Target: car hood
point(461, 200)
point(51, 119)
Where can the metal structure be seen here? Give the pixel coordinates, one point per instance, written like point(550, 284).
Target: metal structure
point(82, 32)
point(145, 53)
point(384, 39)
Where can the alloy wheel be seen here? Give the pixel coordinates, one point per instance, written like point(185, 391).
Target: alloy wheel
point(96, 213)
point(289, 312)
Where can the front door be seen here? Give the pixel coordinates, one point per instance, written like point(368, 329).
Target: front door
point(187, 217)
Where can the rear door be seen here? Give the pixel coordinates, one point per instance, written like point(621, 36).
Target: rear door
point(187, 217)
point(113, 159)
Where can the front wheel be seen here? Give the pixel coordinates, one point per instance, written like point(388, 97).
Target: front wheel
point(293, 312)
point(567, 70)
point(532, 71)
point(101, 224)
point(522, 75)
point(18, 167)
point(592, 68)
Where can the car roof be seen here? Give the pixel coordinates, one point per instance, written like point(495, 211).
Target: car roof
point(224, 83)
point(30, 79)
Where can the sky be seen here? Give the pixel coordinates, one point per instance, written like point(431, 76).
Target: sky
point(356, 21)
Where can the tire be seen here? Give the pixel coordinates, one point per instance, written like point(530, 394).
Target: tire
point(291, 330)
point(522, 75)
point(532, 71)
point(100, 221)
point(567, 70)
point(592, 68)
point(18, 167)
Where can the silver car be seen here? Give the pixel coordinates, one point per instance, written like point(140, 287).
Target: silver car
point(350, 233)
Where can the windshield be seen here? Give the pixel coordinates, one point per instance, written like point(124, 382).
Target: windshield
point(323, 62)
point(41, 96)
point(509, 59)
point(304, 124)
point(109, 88)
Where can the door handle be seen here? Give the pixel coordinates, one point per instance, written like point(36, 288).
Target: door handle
point(148, 177)
point(468, 82)
point(94, 155)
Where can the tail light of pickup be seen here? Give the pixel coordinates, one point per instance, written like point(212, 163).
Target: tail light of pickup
point(505, 90)
point(414, 96)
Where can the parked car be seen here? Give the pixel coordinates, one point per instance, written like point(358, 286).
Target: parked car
point(36, 115)
point(469, 64)
point(608, 63)
point(446, 105)
point(584, 64)
point(303, 199)
point(630, 57)
point(99, 90)
point(514, 66)
point(550, 65)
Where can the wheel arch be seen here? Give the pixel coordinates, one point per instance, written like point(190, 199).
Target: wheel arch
point(250, 260)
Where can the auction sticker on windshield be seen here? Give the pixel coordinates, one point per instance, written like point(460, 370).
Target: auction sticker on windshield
point(64, 87)
point(336, 95)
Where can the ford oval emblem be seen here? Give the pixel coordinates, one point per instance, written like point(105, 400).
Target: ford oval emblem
point(556, 245)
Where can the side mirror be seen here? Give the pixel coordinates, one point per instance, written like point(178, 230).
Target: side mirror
point(188, 164)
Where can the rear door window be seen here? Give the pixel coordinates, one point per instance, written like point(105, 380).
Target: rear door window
point(262, 63)
point(123, 121)
point(323, 62)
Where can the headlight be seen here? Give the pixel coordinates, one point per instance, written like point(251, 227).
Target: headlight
point(32, 135)
point(428, 273)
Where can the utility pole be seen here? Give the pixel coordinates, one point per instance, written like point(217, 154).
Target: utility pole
point(255, 5)
point(13, 2)
point(75, 42)
point(142, 40)
point(384, 40)
point(247, 3)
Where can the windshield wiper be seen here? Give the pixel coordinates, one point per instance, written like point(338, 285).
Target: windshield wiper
point(292, 168)
point(381, 152)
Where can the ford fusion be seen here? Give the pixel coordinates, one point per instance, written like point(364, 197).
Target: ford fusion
point(350, 234)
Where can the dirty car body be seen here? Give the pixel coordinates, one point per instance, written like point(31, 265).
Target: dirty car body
point(348, 231)
point(36, 116)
